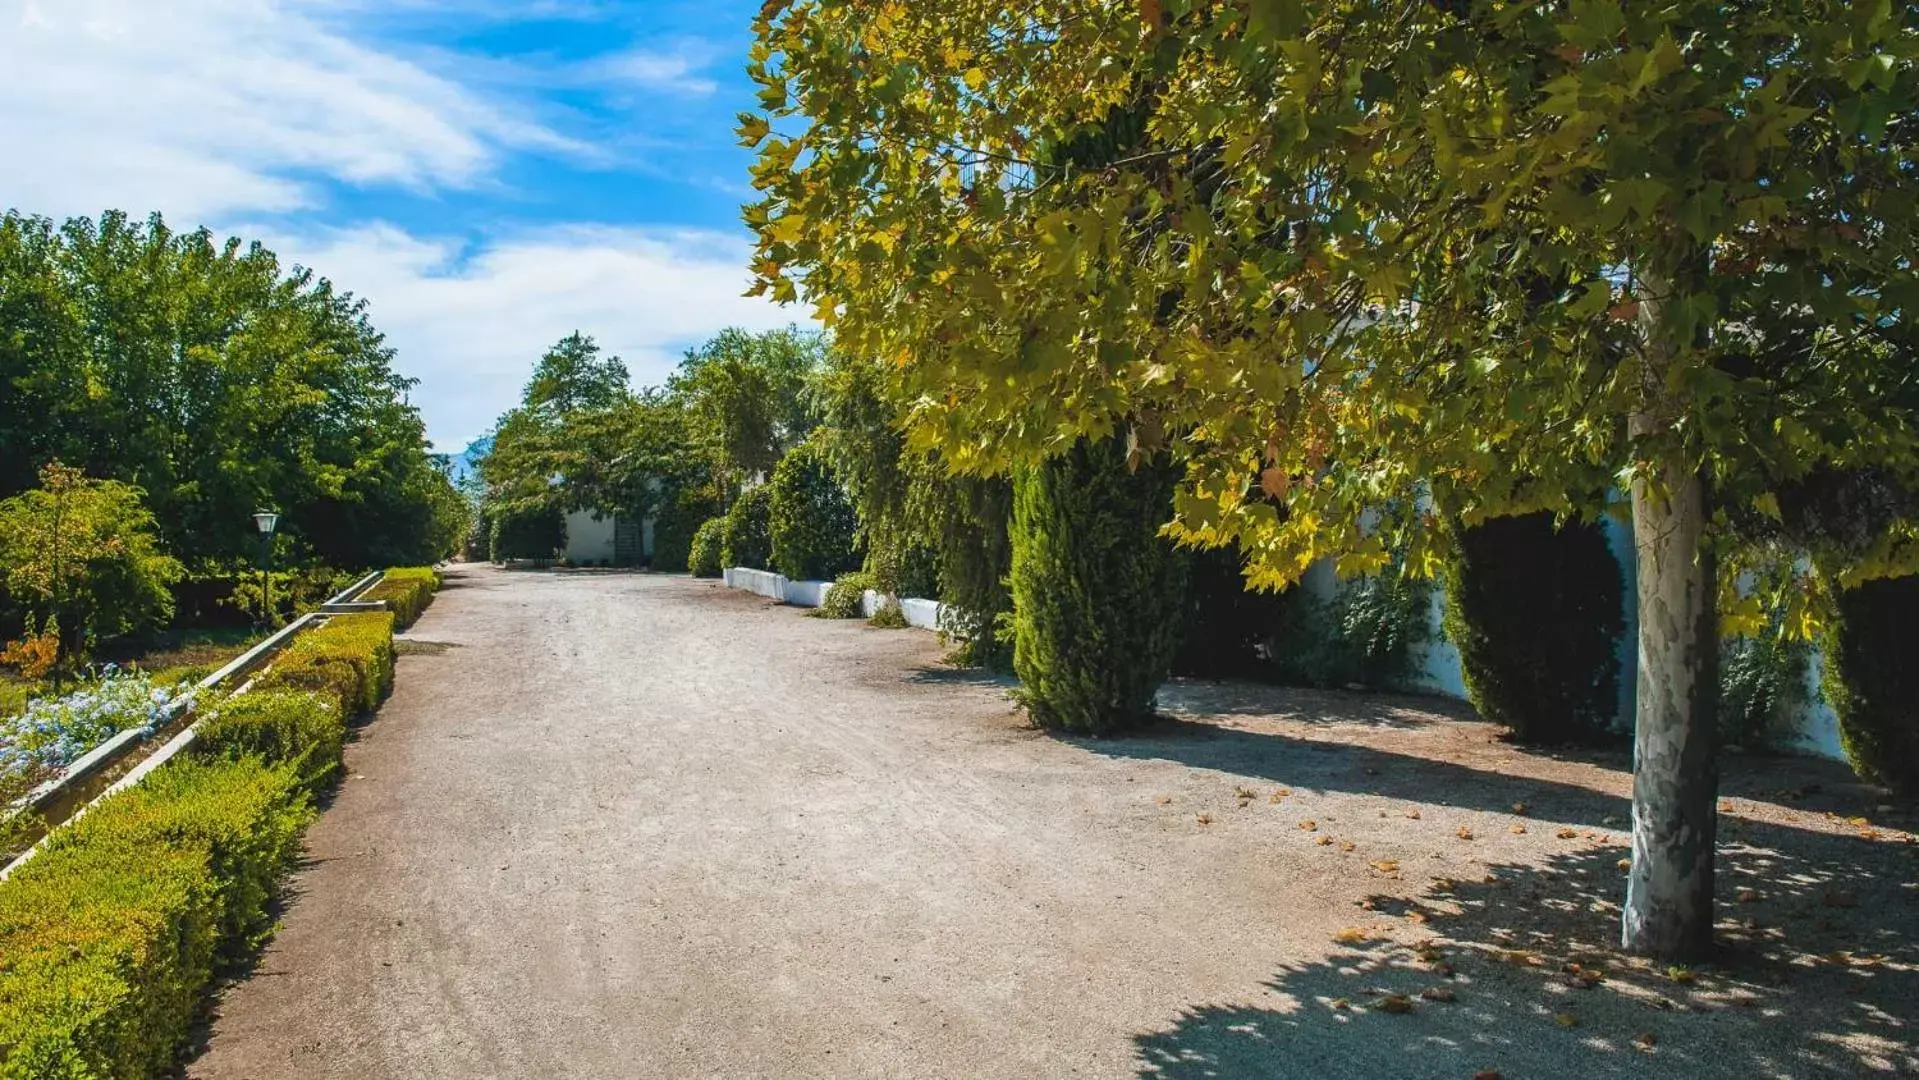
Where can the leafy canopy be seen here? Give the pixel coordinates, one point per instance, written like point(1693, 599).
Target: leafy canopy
point(1331, 254)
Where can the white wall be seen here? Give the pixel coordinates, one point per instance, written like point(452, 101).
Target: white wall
point(589, 538)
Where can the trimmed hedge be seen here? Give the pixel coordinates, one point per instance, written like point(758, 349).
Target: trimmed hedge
point(1536, 612)
point(810, 524)
point(407, 591)
point(110, 937)
point(1871, 680)
point(348, 662)
point(280, 727)
point(748, 539)
point(1096, 591)
point(704, 559)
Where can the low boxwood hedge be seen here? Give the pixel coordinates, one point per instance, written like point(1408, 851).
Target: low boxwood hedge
point(407, 591)
point(111, 936)
point(280, 727)
point(348, 661)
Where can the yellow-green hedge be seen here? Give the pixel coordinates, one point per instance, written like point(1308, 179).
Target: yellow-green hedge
point(348, 661)
point(280, 727)
point(110, 937)
point(407, 591)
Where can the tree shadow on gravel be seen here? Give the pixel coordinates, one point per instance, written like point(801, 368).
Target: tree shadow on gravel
point(1306, 705)
point(1817, 975)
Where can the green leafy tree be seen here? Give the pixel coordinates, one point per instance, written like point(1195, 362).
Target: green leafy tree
point(216, 380)
point(83, 554)
point(745, 393)
point(1336, 254)
point(810, 525)
point(747, 539)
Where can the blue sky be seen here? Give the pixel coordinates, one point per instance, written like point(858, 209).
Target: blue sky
point(489, 174)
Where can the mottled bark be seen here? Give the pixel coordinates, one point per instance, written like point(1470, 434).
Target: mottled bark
point(1669, 893)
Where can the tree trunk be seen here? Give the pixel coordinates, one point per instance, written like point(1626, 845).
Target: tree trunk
point(1669, 893)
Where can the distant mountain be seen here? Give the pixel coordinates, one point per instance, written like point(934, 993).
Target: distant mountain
point(466, 463)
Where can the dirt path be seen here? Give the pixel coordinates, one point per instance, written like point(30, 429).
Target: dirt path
point(634, 826)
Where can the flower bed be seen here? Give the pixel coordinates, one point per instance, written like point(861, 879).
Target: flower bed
point(54, 732)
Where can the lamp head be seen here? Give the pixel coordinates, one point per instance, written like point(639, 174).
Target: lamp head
point(266, 521)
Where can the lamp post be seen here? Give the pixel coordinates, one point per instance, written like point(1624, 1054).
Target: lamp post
point(266, 521)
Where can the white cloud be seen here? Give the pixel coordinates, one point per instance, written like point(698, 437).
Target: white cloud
point(674, 72)
point(205, 108)
point(470, 328)
point(235, 111)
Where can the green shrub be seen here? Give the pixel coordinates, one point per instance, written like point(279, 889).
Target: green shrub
point(111, 936)
point(1762, 687)
point(748, 541)
point(846, 599)
point(407, 591)
point(975, 562)
point(1365, 634)
point(1871, 679)
point(1096, 590)
point(705, 558)
point(349, 661)
point(680, 517)
point(528, 534)
point(280, 727)
point(810, 523)
point(1536, 611)
point(1229, 629)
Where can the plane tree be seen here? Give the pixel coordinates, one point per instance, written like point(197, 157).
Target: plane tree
point(1354, 261)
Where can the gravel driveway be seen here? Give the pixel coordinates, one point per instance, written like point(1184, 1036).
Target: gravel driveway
point(621, 825)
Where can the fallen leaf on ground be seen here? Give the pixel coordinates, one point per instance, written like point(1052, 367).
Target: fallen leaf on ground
point(1464, 833)
point(1243, 793)
point(1680, 974)
point(1280, 793)
point(1566, 1020)
point(1438, 993)
point(1164, 799)
point(1519, 830)
point(1347, 845)
point(1569, 834)
point(1625, 864)
point(1414, 814)
point(1204, 819)
point(1340, 1003)
point(1309, 825)
point(1645, 1041)
point(1385, 866)
point(1352, 935)
point(1519, 808)
point(1394, 1003)
point(1324, 841)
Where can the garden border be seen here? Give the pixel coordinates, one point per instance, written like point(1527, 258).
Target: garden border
point(66, 797)
point(922, 614)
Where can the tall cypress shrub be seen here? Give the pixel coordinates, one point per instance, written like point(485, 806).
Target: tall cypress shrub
point(1871, 680)
point(1536, 611)
point(1097, 593)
